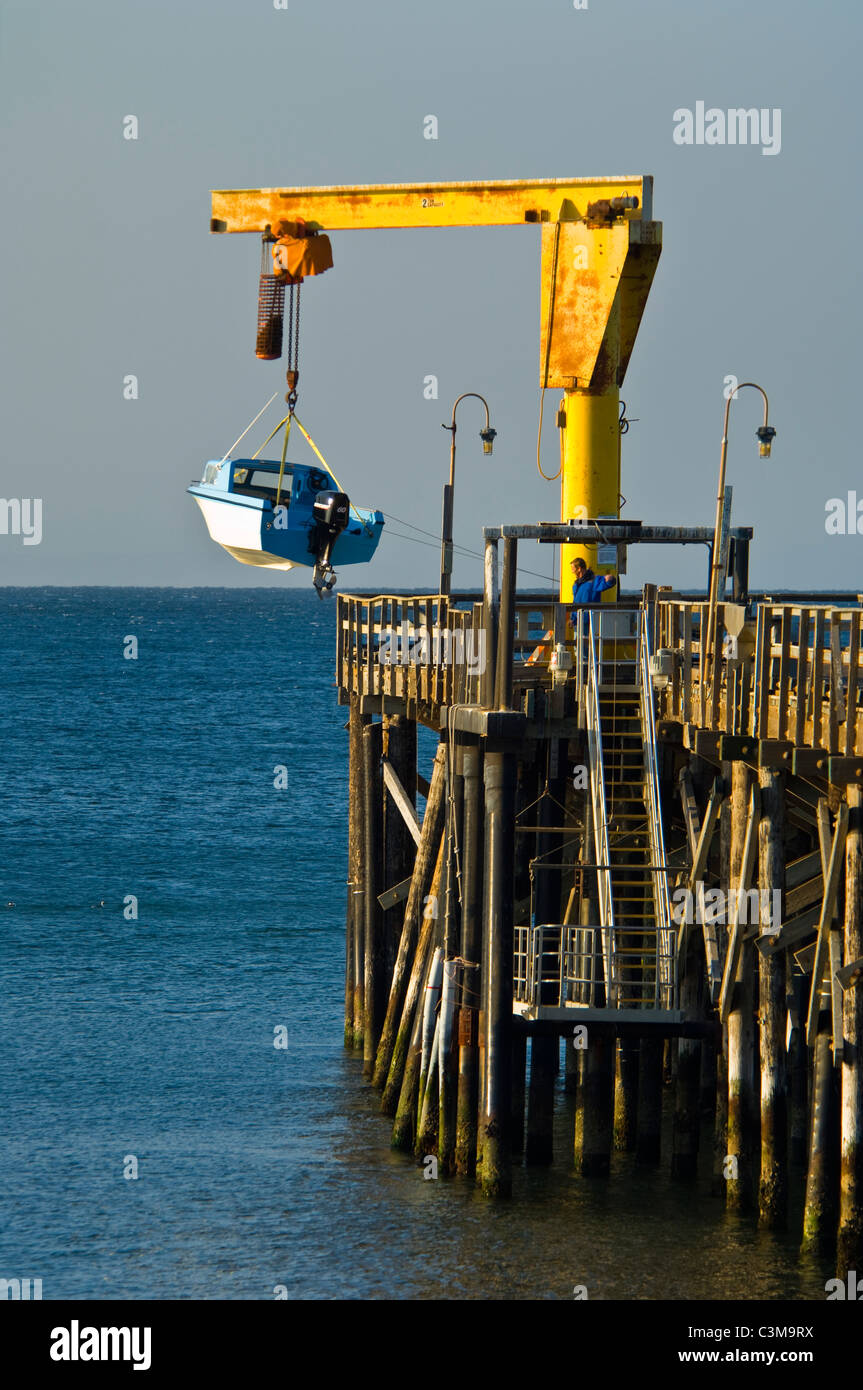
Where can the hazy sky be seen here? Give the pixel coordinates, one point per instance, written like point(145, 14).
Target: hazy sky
point(109, 268)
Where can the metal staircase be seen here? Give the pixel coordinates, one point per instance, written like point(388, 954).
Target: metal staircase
point(635, 917)
point(623, 960)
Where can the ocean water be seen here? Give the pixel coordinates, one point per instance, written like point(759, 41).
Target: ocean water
point(148, 1042)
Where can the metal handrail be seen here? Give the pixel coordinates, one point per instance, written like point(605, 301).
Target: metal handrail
point(665, 936)
point(521, 965)
point(597, 792)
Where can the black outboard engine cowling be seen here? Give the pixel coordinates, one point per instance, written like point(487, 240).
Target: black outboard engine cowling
point(331, 511)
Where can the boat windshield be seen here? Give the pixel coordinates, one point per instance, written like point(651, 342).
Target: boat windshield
point(262, 482)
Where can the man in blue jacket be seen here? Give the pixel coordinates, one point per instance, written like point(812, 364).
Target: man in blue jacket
point(586, 586)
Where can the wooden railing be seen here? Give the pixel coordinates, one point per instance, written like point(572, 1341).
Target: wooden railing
point(433, 651)
point(422, 650)
point(796, 675)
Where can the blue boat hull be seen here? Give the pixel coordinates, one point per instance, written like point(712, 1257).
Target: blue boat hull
point(260, 523)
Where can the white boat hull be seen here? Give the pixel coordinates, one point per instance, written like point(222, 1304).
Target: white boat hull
point(237, 529)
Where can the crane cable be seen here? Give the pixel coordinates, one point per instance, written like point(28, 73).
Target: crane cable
point(434, 544)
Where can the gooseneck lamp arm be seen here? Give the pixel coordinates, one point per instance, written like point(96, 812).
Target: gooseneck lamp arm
point(487, 435)
point(765, 435)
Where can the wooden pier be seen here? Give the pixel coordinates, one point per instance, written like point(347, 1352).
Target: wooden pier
point(641, 834)
point(647, 846)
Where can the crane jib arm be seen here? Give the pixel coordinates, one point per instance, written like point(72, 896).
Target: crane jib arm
point(510, 202)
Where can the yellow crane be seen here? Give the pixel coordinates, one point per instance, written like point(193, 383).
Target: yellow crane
point(599, 251)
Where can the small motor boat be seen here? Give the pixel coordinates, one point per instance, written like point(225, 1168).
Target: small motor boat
point(302, 522)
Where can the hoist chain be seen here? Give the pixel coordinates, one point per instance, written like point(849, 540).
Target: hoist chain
point(293, 372)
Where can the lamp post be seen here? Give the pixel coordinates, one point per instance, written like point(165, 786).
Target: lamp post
point(765, 435)
point(487, 435)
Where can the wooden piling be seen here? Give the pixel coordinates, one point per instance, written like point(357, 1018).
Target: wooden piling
point(519, 1074)
point(401, 1091)
point(471, 950)
point(598, 1108)
point(408, 1100)
point(448, 1068)
point(429, 1002)
point(424, 864)
point(625, 1096)
point(691, 968)
point(495, 1124)
point(687, 1089)
point(570, 1067)
point(578, 1109)
point(798, 1079)
point(355, 972)
point(540, 1105)
point(545, 1051)
point(349, 961)
point(649, 1119)
point(374, 989)
point(822, 1175)
point(448, 1059)
point(850, 1237)
point(400, 751)
point(707, 1083)
point(720, 1115)
point(741, 1027)
point(428, 1104)
point(720, 1118)
point(773, 1182)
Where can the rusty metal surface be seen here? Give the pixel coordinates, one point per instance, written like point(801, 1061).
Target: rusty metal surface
point(503, 202)
point(579, 324)
point(595, 283)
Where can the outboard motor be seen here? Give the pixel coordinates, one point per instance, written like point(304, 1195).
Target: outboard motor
point(330, 511)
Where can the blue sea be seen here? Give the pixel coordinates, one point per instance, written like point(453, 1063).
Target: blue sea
point(139, 777)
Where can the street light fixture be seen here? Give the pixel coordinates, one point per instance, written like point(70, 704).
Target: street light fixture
point(765, 435)
point(487, 435)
